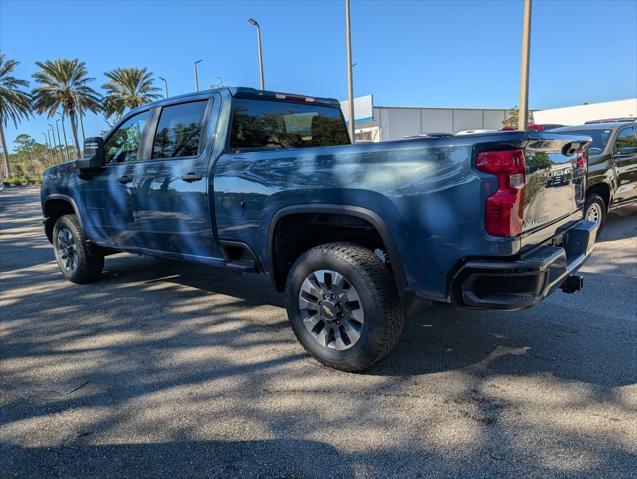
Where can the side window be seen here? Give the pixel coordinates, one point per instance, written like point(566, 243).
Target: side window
point(625, 139)
point(123, 144)
point(179, 130)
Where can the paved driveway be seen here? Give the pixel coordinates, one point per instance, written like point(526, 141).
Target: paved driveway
point(170, 370)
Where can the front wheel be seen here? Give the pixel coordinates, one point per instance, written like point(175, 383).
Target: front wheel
point(76, 261)
point(343, 306)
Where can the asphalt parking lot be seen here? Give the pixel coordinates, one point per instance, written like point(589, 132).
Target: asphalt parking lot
point(170, 370)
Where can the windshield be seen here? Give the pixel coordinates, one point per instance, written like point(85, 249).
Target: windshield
point(261, 124)
point(600, 138)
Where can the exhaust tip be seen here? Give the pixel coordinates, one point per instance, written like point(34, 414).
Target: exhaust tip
point(573, 283)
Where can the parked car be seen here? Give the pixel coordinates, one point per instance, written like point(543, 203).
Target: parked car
point(475, 132)
point(612, 166)
point(257, 181)
point(428, 135)
point(534, 127)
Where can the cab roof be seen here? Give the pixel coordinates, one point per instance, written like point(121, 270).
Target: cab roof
point(245, 92)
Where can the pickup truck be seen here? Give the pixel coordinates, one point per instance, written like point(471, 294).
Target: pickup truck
point(611, 180)
point(353, 234)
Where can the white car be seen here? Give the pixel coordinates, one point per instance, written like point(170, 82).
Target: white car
point(475, 132)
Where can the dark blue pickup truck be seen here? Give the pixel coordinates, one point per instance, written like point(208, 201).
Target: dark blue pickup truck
point(267, 182)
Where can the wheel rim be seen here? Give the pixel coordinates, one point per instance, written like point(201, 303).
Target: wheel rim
point(331, 309)
point(594, 213)
point(67, 253)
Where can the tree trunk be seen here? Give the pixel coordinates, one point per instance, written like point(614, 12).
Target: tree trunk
point(5, 154)
point(74, 128)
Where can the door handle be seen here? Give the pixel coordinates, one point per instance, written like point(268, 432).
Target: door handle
point(190, 177)
point(125, 179)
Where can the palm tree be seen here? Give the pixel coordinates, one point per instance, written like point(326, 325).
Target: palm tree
point(128, 88)
point(15, 104)
point(64, 85)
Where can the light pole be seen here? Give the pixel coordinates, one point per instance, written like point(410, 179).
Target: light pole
point(256, 24)
point(350, 81)
point(523, 113)
point(48, 150)
point(166, 83)
point(80, 112)
point(196, 76)
point(66, 145)
point(57, 145)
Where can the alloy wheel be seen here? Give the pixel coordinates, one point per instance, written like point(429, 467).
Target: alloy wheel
point(67, 252)
point(594, 213)
point(331, 309)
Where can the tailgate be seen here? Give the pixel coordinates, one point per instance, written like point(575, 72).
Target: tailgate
point(555, 188)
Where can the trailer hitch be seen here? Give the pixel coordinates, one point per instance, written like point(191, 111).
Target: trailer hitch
point(573, 283)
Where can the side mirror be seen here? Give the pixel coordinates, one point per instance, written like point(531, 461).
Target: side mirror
point(629, 150)
point(93, 157)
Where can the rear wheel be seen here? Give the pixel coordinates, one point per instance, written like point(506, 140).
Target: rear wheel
point(595, 210)
point(343, 306)
point(76, 261)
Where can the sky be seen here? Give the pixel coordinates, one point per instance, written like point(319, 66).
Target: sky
point(407, 53)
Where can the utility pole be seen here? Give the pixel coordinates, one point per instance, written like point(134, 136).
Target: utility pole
point(256, 24)
point(197, 76)
point(165, 85)
point(523, 114)
point(350, 81)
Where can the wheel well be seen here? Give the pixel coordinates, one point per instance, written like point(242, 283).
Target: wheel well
point(296, 233)
point(53, 209)
point(603, 190)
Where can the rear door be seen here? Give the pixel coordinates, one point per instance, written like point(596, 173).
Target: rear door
point(625, 156)
point(171, 197)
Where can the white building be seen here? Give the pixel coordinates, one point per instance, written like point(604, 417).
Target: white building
point(576, 115)
point(383, 123)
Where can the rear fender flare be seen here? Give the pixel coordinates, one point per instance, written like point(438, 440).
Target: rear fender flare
point(363, 213)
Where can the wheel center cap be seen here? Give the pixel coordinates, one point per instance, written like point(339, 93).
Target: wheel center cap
point(328, 310)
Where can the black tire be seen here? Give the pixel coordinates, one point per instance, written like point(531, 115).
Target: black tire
point(594, 201)
point(87, 264)
point(373, 282)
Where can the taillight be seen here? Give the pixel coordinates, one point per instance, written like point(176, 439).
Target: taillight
point(505, 208)
point(582, 159)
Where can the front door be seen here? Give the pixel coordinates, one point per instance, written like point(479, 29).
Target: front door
point(171, 196)
point(625, 156)
point(109, 192)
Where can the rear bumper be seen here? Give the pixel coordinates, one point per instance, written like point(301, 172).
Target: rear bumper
point(496, 284)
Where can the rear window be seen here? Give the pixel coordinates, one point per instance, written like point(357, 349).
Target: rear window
point(259, 124)
point(600, 138)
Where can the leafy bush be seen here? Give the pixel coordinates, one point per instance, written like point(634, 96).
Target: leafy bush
point(22, 180)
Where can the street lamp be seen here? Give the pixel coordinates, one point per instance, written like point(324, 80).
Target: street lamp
point(166, 83)
point(523, 112)
point(48, 150)
point(350, 81)
point(66, 144)
point(58, 142)
point(256, 24)
point(196, 76)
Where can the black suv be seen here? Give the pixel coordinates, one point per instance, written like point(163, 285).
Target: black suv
point(612, 166)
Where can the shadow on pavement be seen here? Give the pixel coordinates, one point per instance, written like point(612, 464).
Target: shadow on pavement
point(218, 459)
